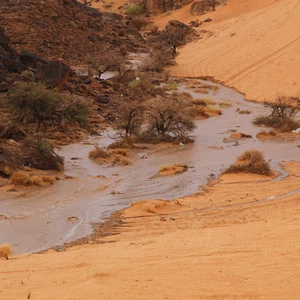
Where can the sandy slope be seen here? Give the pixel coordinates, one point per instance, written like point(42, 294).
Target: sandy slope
point(247, 251)
point(255, 47)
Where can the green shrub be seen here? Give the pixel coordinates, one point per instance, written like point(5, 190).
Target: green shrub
point(134, 10)
point(33, 102)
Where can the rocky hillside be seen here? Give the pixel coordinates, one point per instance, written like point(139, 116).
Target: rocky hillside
point(63, 29)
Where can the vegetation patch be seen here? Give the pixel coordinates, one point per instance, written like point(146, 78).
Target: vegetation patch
point(172, 170)
point(5, 251)
point(251, 161)
point(283, 116)
point(22, 178)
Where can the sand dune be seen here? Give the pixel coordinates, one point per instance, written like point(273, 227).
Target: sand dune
point(254, 47)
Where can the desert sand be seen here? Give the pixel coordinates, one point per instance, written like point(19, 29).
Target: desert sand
point(251, 45)
point(220, 244)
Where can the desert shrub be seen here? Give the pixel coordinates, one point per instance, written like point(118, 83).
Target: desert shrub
point(35, 180)
point(251, 161)
point(40, 154)
point(123, 161)
point(199, 111)
point(98, 152)
point(283, 114)
point(198, 101)
point(213, 110)
point(121, 152)
point(47, 178)
point(27, 76)
point(134, 10)
point(33, 102)
point(225, 104)
point(5, 251)
point(122, 143)
point(20, 178)
point(243, 112)
point(264, 133)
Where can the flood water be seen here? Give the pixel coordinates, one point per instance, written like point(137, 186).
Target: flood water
point(40, 219)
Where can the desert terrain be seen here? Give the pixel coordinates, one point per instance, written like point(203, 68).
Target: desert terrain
point(254, 48)
point(238, 237)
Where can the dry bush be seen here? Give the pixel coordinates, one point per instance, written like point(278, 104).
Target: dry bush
point(199, 111)
point(50, 179)
point(182, 95)
point(201, 91)
point(122, 152)
point(122, 161)
point(124, 143)
point(225, 104)
point(210, 101)
point(98, 153)
point(251, 161)
point(199, 101)
point(263, 133)
point(243, 112)
point(35, 180)
point(213, 111)
point(20, 178)
point(5, 251)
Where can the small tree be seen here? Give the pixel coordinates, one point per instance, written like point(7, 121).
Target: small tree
point(109, 61)
point(171, 118)
point(284, 111)
point(130, 117)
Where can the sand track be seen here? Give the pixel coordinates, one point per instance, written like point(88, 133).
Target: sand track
point(255, 49)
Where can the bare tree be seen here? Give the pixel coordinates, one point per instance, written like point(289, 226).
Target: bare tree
point(171, 118)
point(130, 117)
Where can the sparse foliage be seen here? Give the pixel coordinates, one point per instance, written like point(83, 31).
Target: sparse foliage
point(111, 61)
point(170, 118)
point(40, 154)
point(283, 115)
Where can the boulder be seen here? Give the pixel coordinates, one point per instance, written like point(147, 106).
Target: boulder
point(160, 6)
point(54, 74)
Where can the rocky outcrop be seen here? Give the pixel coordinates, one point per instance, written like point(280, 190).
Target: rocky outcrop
point(180, 33)
point(160, 6)
point(204, 6)
point(64, 29)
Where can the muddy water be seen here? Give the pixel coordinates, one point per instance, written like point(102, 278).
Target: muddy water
point(52, 216)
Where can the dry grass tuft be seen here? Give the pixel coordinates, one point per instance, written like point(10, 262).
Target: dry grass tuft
point(5, 251)
point(35, 180)
point(50, 179)
point(98, 153)
point(251, 161)
point(122, 161)
point(225, 104)
point(19, 178)
point(122, 152)
point(199, 101)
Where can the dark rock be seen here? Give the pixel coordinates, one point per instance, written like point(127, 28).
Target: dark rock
point(54, 74)
point(30, 59)
point(4, 40)
point(102, 100)
point(207, 20)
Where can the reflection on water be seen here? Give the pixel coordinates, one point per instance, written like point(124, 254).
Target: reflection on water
point(63, 212)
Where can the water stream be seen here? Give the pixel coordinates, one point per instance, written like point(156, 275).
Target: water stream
point(52, 216)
